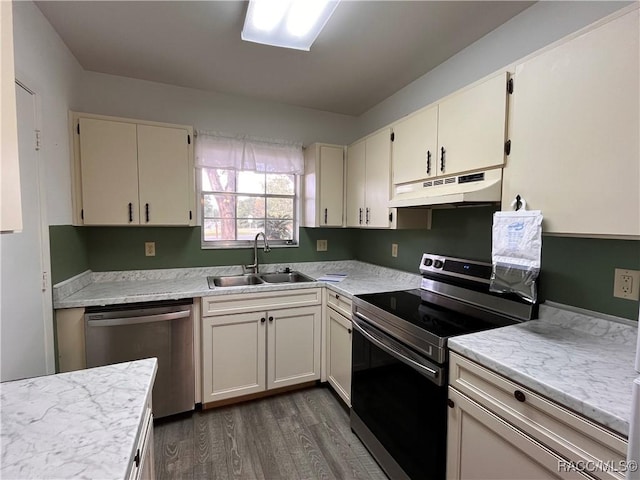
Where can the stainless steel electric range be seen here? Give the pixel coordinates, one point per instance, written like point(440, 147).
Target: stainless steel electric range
point(400, 360)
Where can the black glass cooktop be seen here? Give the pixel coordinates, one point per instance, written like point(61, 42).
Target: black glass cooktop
point(443, 322)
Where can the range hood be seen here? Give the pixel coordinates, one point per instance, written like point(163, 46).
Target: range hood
point(458, 190)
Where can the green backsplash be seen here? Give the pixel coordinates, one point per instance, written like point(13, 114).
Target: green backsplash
point(575, 271)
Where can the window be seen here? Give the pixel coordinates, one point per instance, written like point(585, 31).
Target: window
point(238, 204)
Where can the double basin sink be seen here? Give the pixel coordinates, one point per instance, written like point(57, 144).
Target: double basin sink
point(257, 279)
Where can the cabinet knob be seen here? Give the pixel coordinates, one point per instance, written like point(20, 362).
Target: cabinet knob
point(519, 396)
point(271, 319)
point(262, 320)
point(349, 331)
point(450, 403)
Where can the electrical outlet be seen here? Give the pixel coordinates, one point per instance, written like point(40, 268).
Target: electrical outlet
point(150, 249)
point(626, 284)
point(321, 245)
point(394, 249)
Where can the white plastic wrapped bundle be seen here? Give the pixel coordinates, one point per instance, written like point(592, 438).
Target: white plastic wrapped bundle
point(515, 254)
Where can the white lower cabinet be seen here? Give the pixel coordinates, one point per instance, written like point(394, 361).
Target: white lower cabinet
point(500, 430)
point(143, 459)
point(339, 354)
point(261, 349)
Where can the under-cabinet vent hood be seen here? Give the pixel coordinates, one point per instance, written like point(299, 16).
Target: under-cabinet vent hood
point(458, 190)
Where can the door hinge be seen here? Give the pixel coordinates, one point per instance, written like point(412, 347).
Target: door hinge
point(78, 128)
point(507, 147)
point(510, 86)
point(190, 215)
point(82, 214)
point(393, 136)
point(38, 138)
point(44, 281)
point(188, 139)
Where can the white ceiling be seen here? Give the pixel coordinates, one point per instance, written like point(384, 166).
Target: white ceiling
point(367, 51)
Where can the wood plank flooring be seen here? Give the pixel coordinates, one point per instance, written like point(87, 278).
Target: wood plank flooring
point(299, 435)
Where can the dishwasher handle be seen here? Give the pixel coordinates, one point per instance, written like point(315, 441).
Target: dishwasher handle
point(162, 317)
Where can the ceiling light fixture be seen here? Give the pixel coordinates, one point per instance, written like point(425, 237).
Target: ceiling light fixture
point(287, 23)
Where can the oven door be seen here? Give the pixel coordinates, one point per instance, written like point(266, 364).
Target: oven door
point(398, 404)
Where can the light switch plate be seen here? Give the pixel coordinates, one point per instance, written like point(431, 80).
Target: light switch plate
point(626, 284)
point(321, 246)
point(394, 249)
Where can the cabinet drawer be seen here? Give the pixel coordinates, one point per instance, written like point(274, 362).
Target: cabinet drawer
point(567, 433)
point(340, 303)
point(251, 302)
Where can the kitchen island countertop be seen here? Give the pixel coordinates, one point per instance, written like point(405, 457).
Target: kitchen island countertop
point(582, 362)
point(81, 425)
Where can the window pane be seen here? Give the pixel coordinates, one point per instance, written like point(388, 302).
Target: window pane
point(251, 207)
point(281, 184)
point(279, 229)
point(280, 208)
point(218, 180)
point(219, 229)
point(250, 182)
point(248, 228)
point(223, 206)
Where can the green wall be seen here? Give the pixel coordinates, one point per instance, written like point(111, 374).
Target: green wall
point(122, 248)
point(575, 271)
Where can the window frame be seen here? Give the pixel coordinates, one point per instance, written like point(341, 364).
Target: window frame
point(239, 244)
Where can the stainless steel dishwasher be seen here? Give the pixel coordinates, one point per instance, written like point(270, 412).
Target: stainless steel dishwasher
point(122, 333)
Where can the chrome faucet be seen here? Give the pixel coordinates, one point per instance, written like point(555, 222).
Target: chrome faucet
point(254, 267)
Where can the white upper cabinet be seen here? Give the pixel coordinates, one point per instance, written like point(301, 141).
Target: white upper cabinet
point(129, 172)
point(464, 132)
point(575, 133)
point(323, 186)
point(415, 146)
point(10, 202)
point(369, 182)
point(471, 127)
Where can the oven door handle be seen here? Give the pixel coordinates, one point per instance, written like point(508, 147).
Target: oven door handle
point(396, 350)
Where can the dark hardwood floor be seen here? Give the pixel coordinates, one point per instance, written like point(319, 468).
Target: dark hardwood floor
point(299, 435)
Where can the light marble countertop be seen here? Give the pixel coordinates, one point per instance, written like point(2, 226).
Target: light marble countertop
point(110, 288)
point(584, 363)
point(80, 425)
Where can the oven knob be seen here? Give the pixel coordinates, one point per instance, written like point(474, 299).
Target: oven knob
point(427, 262)
point(438, 264)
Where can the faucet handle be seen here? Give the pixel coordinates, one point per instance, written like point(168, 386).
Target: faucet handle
point(248, 269)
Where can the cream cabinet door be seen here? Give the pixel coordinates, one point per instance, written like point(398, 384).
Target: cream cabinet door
point(331, 186)
point(415, 146)
point(339, 354)
point(481, 445)
point(233, 355)
point(377, 179)
point(293, 346)
point(356, 184)
point(109, 166)
point(471, 128)
point(165, 171)
point(575, 133)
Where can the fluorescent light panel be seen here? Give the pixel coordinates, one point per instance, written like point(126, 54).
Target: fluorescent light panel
point(287, 23)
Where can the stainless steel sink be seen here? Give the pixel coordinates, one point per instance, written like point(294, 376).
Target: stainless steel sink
point(234, 281)
point(257, 279)
point(291, 277)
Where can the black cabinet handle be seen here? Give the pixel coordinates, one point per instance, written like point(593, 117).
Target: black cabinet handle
point(349, 331)
point(519, 396)
point(146, 211)
point(367, 215)
point(442, 159)
point(325, 215)
point(137, 458)
point(450, 403)
point(262, 320)
point(130, 212)
point(360, 217)
point(428, 162)
point(271, 319)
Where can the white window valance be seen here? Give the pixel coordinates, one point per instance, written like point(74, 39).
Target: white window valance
point(241, 152)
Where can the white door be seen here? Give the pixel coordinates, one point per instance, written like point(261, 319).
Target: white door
point(26, 327)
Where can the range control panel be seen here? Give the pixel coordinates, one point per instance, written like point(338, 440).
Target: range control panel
point(455, 267)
